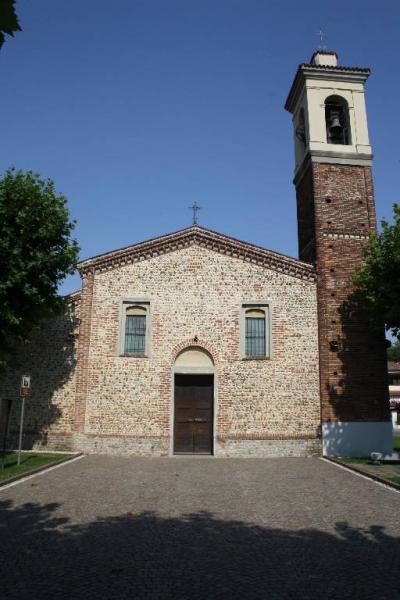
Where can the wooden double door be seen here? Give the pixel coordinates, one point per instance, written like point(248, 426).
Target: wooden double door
point(193, 418)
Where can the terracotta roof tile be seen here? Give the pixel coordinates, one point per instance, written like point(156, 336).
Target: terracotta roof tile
point(335, 68)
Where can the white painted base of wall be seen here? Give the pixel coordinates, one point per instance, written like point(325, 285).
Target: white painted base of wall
point(355, 438)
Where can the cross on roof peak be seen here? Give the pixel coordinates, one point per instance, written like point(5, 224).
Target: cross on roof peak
point(195, 208)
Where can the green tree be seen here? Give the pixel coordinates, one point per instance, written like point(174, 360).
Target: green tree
point(393, 353)
point(379, 280)
point(8, 20)
point(36, 253)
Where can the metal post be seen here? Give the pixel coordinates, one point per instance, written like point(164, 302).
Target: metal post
point(20, 429)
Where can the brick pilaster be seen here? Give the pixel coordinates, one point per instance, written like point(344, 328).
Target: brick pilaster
point(83, 351)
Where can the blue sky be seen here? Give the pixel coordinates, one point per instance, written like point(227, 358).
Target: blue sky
point(138, 108)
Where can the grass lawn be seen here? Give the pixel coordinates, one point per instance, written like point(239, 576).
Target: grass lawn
point(395, 479)
point(353, 460)
point(29, 462)
point(384, 472)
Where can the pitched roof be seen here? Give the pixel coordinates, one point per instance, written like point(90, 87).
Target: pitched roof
point(200, 236)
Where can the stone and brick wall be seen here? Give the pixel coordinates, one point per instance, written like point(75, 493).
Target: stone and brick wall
point(87, 397)
point(50, 359)
point(195, 292)
point(338, 200)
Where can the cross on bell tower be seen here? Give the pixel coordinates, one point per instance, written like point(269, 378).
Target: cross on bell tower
point(322, 46)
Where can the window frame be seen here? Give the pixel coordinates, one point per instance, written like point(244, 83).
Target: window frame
point(266, 307)
point(143, 303)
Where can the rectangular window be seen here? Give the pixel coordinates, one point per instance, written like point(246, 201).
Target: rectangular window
point(135, 333)
point(134, 336)
point(255, 331)
point(255, 336)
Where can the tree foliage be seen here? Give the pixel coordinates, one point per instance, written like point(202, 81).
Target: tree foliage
point(36, 253)
point(8, 19)
point(379, 280)
point(393, 353)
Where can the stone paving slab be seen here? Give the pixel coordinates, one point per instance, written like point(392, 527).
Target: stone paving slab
point(119, 528)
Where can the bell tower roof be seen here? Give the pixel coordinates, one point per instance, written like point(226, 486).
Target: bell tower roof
point(323, 66)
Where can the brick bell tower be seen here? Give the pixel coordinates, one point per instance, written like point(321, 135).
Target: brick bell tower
point(336, 213)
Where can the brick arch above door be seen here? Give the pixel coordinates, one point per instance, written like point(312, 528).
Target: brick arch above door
point(198, 344)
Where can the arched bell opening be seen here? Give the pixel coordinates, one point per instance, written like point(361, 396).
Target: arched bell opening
point(193, 402)
point(337, 121)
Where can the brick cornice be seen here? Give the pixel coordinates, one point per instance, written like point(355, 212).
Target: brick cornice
point(204, 238)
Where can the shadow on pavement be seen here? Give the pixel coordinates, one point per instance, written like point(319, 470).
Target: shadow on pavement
point(196, 556)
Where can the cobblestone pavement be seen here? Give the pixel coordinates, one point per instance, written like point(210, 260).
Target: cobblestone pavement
point(119, 528)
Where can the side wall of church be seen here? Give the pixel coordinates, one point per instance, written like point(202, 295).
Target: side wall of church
point(50, 360)
point(262, 407)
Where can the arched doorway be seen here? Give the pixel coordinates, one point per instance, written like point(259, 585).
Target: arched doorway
point(193, 402)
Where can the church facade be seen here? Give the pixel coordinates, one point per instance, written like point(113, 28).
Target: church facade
point(197, 343)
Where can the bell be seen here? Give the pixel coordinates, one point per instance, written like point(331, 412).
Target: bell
point(335, 126)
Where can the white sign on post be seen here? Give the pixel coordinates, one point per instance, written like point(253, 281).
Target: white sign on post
point(26, 381)
point(25, 385)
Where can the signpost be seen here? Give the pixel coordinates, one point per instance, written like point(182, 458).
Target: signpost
point(24, 392)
